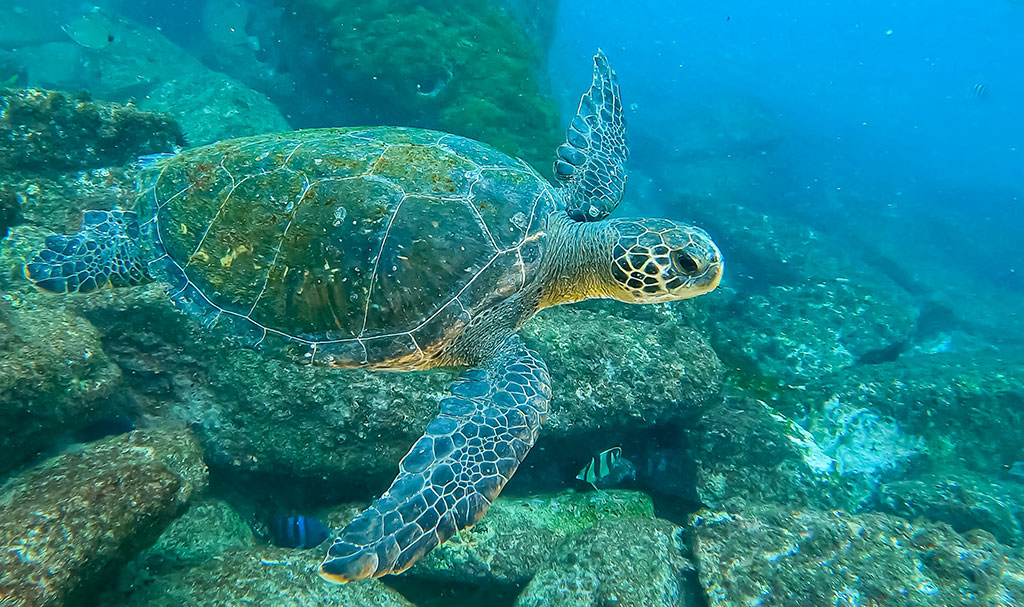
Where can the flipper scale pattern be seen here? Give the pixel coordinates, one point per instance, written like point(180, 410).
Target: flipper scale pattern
point(454, 471)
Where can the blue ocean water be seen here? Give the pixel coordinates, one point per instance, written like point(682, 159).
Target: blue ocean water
point(259, 324)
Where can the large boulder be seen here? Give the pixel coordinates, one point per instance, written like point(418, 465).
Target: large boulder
point(628, 562)
point(54, 377)
point(782, 556)
point(51, 131)
point(67, 521)
point(258, 577)
point(800, 305)
point(207, 529)
point(960, 404)
point(962, 499)
point(117, 60)
point(743, 451)
point(514, 540)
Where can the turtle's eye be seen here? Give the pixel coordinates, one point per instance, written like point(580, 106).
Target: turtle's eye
point(684, 262)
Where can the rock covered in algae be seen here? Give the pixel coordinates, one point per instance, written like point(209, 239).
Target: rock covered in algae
point(68, 520)
point(208, 528)
point(745, 452)
point(801, 305)
point(43, 130)
point(962, 499)
point(781, 556)
point(54, 376)
point(462, 66)
point(354, 426)
point(141, 64)
point(259, 577)
point(513, 541)
point(56, 200)
point(629, 562)
point(959, 403)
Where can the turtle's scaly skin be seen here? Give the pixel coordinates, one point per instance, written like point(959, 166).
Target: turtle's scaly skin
point(362, 247)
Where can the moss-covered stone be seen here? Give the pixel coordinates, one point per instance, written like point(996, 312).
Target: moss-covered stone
point(630, 562)
point(54, 376)
point(511, 543)
point(44, 130)
point(781, 556)
point(65, 522)
point(56, 200)
point(208, 528)
point(959, 403)
point(962, 499)
point(616, 366)
point(259, 577)
point(800, 306)
point(746, 452)
point(463, 67)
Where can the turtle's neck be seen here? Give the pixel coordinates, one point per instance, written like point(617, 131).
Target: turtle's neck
point(577, 260)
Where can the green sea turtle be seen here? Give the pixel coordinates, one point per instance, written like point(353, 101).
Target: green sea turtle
point(397, 248)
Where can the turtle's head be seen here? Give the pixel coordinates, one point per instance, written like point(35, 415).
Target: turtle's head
point(658, 260)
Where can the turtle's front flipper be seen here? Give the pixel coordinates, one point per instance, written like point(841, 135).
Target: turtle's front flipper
point(105, 251)
point(453, 472)
point(591, 164)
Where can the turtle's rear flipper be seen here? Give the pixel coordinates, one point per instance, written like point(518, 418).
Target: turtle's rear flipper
point(453, 473)
point(104, 252)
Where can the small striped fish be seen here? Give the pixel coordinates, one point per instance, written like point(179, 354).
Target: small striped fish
point(600, 466)
point(297, 531)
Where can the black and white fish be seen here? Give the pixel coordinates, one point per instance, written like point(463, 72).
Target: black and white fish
point(297, 531)
point(978, 92)
point(607, 469)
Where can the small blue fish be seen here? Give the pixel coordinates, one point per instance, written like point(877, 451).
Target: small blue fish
point(607, 469)
point(298, 531)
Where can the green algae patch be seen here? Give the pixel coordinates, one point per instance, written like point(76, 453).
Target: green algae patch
point(51, 130)
point(626, 562)
point(464, 67)
point(258, 577)
point(514, 539)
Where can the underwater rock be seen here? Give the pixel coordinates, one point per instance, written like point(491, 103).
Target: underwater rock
point(50, 131)
point(461, 66)
point(962, 499)
point(960, 404)
point(616, 375)
point(9, 210)
point(615, 371)
point(67, 520)
point(781, 556)
point(141, 64)
point(511, 543)
point(56, 201)
point(801, 305)
point(54, 377)
point(745, 452)
point(208, 528)
point(259, 577)
point(629, 562)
